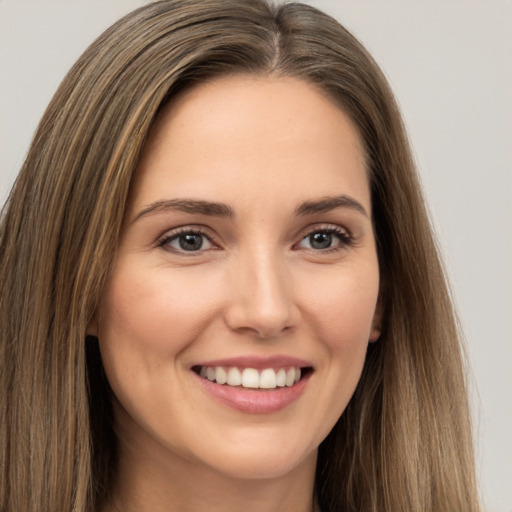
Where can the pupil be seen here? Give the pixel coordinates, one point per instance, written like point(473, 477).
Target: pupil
point(191, 242)
point(320, 240)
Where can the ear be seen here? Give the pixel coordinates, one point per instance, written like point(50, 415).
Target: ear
point(376, 321)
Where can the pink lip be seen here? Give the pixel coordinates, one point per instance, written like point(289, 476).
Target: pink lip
point(257, 362)
point(254, 401)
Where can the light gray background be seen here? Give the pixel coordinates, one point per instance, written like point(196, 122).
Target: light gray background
point(449, 63)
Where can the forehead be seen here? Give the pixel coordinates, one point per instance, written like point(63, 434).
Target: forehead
point(241, 136)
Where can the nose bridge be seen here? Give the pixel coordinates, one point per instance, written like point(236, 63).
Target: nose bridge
point(261, 294)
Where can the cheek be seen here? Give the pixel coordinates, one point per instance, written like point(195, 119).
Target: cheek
point(340, 311)
point(153, 306)
point(147, 319)
point(343, 306)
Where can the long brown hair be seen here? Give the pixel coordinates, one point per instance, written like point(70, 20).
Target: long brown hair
point(403, 443)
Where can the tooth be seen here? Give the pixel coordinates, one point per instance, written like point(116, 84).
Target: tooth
point(234, 377)
point(268, 379)
point(290, 377)
point(281, 378)
point(220, 375)
point(250, 378)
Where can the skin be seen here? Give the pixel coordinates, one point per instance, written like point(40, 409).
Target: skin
point(257, 287)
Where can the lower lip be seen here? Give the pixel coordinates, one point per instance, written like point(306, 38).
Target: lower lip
point(255, 401)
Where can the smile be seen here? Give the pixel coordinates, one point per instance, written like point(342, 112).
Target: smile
point(254, 385)
point(252, 378)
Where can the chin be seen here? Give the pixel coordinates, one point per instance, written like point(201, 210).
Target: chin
point(254, 458)
point(258, 466)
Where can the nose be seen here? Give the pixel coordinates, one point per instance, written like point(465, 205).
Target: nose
point(261, 299)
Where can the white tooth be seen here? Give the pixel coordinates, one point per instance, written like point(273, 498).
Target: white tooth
point(297, 374)
point(210, 373)
point(202, 372)
point(220, 375)
point(281, 378)
point(290, 377)
point(250, 378)
point(268, 379)
point(234, 377)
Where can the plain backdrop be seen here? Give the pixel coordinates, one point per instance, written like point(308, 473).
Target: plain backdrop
point(449, 62)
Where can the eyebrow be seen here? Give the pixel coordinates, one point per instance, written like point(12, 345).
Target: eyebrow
point(187, 206)
point(214, 209)
point(327, 204)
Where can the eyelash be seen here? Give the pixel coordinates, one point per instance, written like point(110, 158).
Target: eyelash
point(345, 239)
point(175, 235)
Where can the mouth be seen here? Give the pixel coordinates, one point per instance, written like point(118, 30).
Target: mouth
point(266, 379)
point(254, 384)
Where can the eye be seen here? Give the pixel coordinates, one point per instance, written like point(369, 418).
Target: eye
point(186, 241)
point(325, 239)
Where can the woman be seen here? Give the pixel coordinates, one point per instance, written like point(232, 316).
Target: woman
point(219, 283)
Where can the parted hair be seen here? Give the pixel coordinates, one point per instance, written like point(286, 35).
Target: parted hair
point(404, 441)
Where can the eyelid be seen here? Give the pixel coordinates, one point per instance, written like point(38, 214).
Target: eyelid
point(183, 230)
point(344, 234)
point(323, 226)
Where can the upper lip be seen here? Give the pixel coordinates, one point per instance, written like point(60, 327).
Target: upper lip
point(258, 362)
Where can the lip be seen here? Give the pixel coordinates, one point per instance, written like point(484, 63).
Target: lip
point(255, 401)
point(257, 362)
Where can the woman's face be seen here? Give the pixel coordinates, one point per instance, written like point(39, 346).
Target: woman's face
point(246, 258)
